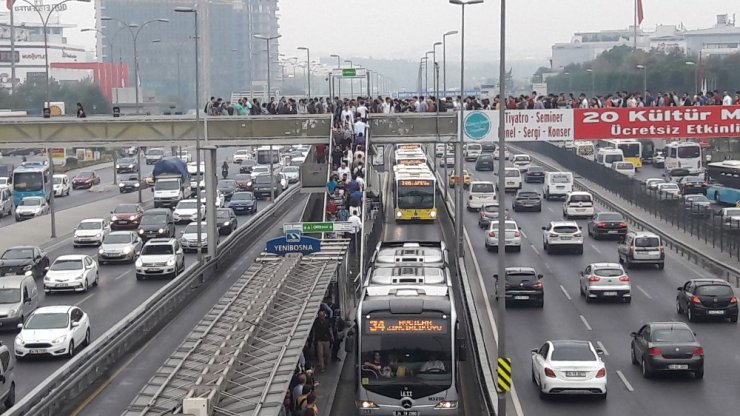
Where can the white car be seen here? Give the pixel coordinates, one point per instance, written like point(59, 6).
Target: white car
point(5, 182)
point(260, 169)
point(53, 331)
point(31, 206)
point(578, 204)
point(625, 168)
point(189, 237)
point(507, 154)
point(668, 191)
point(513, 236)
point(72, 272)
point(481, 193)
point(62, 185)
point(521, 162)
point(512, 180)
point(219, 202)
point(605, 281)
point(297, 160)
point(241, 155)
point(472, 151)
point(439, 150)
point(187, 210)
point(160, 257)
point(563, 235)
point(292, 173)
point(90, 232)
point(193, 167)
point(652, 183)
point(569, 367)
point(185, 156)
point(730, 217)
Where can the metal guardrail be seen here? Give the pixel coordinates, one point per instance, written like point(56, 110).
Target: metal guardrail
point(61, 390)
point(727, 271)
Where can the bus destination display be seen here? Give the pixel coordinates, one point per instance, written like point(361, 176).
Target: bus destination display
point(411, 326)
point(416, 182)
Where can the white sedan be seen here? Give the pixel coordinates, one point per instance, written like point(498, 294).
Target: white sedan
point(569, 367)
point(219, 202)
point(73, 272)
point(53, 331)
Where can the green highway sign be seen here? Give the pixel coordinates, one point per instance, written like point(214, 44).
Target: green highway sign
point(319, 227)
point(349, 72)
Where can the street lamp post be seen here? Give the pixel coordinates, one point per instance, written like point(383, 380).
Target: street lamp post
point(435, 70)
point(135, 37)
point(444, 60)
point(644, 79)
point(422, 75)
point(696, 77)
point(267, 40)
point(339, 80)
point(45, 24)
point(308, 66)
point(426, 71)
point(501, 284)
point(351, 80)
point(199, 177)
point(591, 71)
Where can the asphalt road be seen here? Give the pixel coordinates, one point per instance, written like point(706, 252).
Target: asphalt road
point(566, 315)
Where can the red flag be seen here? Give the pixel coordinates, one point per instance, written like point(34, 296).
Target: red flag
point(9, 3)
point(640, 15)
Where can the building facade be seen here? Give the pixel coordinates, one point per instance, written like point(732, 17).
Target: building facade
point(230, 57)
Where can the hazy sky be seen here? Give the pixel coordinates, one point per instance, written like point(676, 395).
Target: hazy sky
point(408, 28)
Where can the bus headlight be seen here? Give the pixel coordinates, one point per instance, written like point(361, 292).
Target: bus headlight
point(366, 404)
point(433, 213)
point(399, 214)
point(447, 404)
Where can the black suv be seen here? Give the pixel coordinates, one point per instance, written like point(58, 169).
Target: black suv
point(484, 162)
point(157, 223)
point(524, 285)
point(707, 298)
point(527, 201)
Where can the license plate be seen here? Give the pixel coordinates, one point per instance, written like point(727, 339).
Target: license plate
point(36, 351)
point(610, 293)
point(406, 413)
point(123, 222)
point(613, 232)
point(654, 253)
point(510, 183)
point(154, 270)
point(239, 208)
point(559, 187)
point(575, 374)
point(565, 238)
point(62, 285)
point(521, 297)
point(716, 312)
point(580, 209)
point(678, 366)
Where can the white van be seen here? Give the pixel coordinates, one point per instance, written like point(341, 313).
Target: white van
point(512, 180)
point(625, 168)
point(606, 156)
point(481, 193)
point(62, 185)
point(557, 184)
point(472, 151)
point(6, 202)
point(19, 295)
point(578, 204)
point(521, 162)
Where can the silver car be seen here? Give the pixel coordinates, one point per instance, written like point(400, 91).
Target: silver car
point(120, 246)
point(513, 237)
point(606, 281)
point(292, 173)
point(640, 247)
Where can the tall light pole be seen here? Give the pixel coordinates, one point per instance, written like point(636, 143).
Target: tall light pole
point(591, 71)
point(696, 77)
point(135, 37)
point(339, 81)
point(351, 80)
point(444, 59)
point(435, 69)
point(199, 177)
point(308, 66)
point(426, 71)
point(178, 51)
point(501, 284)
point(423, 73)
point(644, 78)
point(45, 23)
point(267, 40)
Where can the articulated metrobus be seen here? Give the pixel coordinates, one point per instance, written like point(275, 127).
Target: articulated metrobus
point(414, 193)
point(724, 186)
point(31, 179)
point(631, 149)
point(406, 342)
point(409, 157)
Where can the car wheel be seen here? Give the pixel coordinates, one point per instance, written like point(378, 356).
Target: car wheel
point(679, 310)
point(699, 374)
point(97, 278)
point(87, 337)
point(580, 250)
point(632, 355)
point(602, 396)
point(86, 287)
point(645, 367)
point(690, 315)
point(10, 398)
point(139, 277)
point(71, 352)
point(541, 303)
point(627, 300)
point(534, 380)
point(733, 319)
point(661, 266)
point(580, 289)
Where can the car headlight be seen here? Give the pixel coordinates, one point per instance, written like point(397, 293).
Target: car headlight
point(118, 166)
point(138, 262)
point(19, 340)
point(433, 214)
point(114, 218)
point(130, 166)
point(101, 251)
point(133, 217)
point(59, 340)
point(121, 185)
point(136, 184)
point(141, 231)
point(171, 261)
point(226, 224)
point(399, 214)
point(78, 277)
point(11, 312)
point(99, 235)
point(161, 231)
point(126, 250)
point(28, 268)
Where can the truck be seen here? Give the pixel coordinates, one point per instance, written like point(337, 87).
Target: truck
point(171, 182)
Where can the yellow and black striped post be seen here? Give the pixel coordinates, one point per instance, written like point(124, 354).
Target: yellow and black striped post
point(503, 383)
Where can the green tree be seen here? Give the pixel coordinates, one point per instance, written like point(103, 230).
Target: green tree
point(32, 95)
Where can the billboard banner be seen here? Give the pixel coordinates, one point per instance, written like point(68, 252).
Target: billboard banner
point(657, 122)
point(520, 125)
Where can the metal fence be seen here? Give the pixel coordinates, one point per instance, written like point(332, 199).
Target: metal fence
point(702, 222)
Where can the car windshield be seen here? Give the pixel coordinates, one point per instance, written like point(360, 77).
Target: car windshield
point(17, 254)
point(693, 179)
point(4, 181)
point(613, 158)
point(510, 173)
point(47, 321)
point(223, 214)
point(697, 198)
point(90, 225)
point(713, 290)
point(263, 179)
point(192, 228)
point(625, 166)
point(535, 169)
point(560, 179)
point(647, 242)
point(27, 181)
point(485, 158)
point(153, 219)
point(580, 198)
point(528, 195)
point(226, 184)
point(57, 180)
point(156, 249)
point(491, 208)
point(290, 169)
point(242, 177)
point(565, 229)
point(572, 352)
point(482, 188)
point(608, 272)
point(521, 159)
point(125, 209)
point(126, 161)
point(187, 204)
point(510, 225)
point(249, 162)
point(732, 212)
point(610, 216)
point(669, 186)
point(66, 264)
point(243, 196)
point(673, 334)
point(85, 175)
point(155, 152)
point(114, 238)
point(166, 185)
point(31, 202)
point(260, 169)
point(132, 178)
point(516, 278)
point(689, 151)
point(10, 295)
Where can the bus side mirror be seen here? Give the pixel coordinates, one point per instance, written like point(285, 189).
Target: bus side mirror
point(349, 342)
point(462, 350)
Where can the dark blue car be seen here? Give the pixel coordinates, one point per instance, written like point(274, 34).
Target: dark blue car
point(243, 203)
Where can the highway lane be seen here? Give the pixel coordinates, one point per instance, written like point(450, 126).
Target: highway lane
point(568, 316)
point(126, 380)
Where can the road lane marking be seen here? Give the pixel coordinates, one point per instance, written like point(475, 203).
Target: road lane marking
point(122, 275)
point(84, 299)
point(603, 348)
point(585, 322)
point(549, 209)
point(647, 295)
point(547, 266)
point(565, 292)
point(535, 249)
point(624, 381)
point(596, 249)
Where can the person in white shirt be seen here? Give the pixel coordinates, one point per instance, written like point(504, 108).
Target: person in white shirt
point(361, 181)
point(360, 127)
point(344, 170)
point(362, 110)
point(433, 365)
point(727, 100)
point(387, 106)
point(347, 115)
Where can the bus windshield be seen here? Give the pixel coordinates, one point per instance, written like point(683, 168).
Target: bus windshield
point(688, 152)
point(27, 181)
point(417, 196)
point(630, 149)
point(420, 362)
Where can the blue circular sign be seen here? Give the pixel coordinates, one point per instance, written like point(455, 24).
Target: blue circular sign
point(477, 125)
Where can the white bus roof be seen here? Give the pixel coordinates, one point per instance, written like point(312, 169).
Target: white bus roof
point(409, 252)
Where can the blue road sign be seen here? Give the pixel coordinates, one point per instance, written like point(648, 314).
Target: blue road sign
point(477, 125)
point(305, 245)
point(293, 236)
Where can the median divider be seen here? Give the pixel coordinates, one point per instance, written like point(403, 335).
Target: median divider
point(61, 390)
